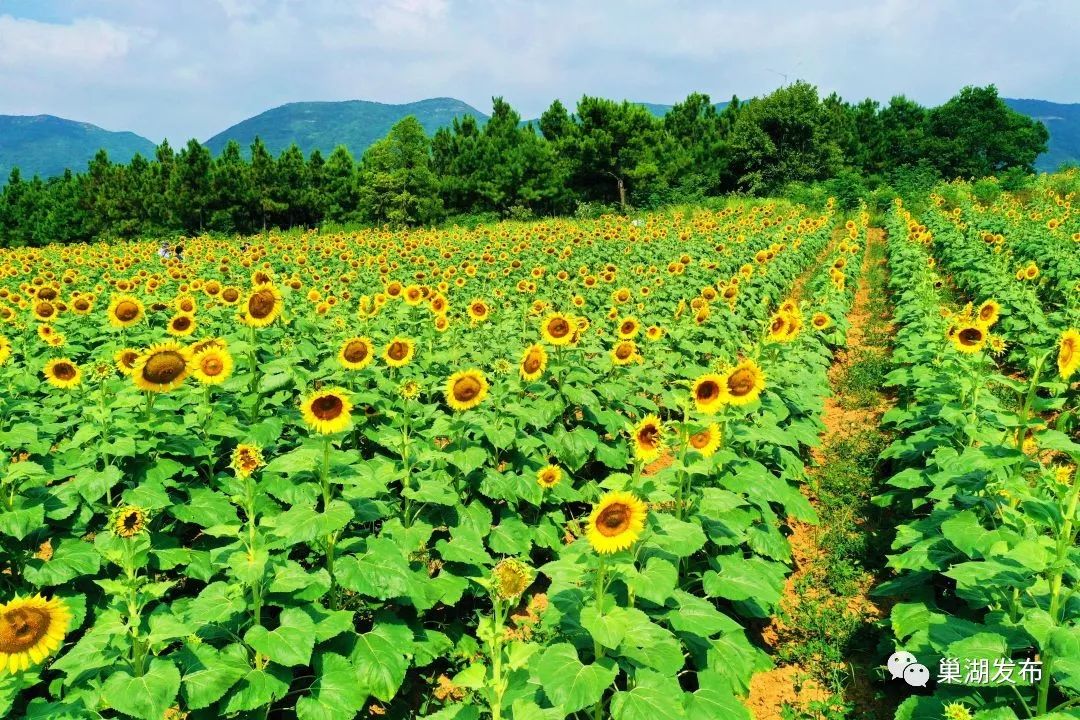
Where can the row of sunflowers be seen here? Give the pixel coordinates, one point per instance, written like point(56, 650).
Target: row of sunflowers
point(523, 470)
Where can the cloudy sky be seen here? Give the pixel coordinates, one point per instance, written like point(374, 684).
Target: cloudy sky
point(191, 68)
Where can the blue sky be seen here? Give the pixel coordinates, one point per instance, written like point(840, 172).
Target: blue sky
point(190, 68)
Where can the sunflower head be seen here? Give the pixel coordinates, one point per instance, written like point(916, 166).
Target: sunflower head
point(549, 476)
point(743, 383)
point(706, 441)
point(129, 521)
point(327, 411)
point(708, 392)
point(62, 373)
point(558, 329)
point(246, 459)
point(125, 360)
point(399, 352)
point(263, 306)
point(211, 365)
point(510, 578)
point(5, 349)
point(125, 311)
point(181, 325)
point(648, 438)
point(356, 353)
point(533, 362)
point(821, 321)
point(988, 313)
point(616, 522)
point(163, 367)
point(1068, 358)
point(466, 389)
point(624, 353)
point(969, 338)
point(31, 629)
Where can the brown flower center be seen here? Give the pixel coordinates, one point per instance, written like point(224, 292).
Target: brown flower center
point(986, 313)
point(64, 371)
point(700, 440)
point(47, 294)
point(21, 628)
point(181, 323)
point(627, 327)
point(614, 520)
point(126, 311)
point(532, 362)
point(212, 365)
point(355, 351)
point(778, 324)
point(624, 350)
point(45, 309)
point(971, 336)
point(327, 407)
point(128, 358)
point(741, 382)
point(398, 350)
point(708, 391)
point(82, 305)
point(230, 294)
point(649, 436)
point(558, 328)
point(163, 367)
point(467, 388)
point(261, 304)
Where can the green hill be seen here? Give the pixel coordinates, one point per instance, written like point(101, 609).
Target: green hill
point(45, 145)
point(1063, 122)
point(325, 125)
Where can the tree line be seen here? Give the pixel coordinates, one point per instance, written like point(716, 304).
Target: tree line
point(604, 154)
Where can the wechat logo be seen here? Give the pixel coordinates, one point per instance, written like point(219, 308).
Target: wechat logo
point(904, 665)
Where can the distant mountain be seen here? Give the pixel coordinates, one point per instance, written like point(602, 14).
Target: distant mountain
point(356, 124)
point(1063, 122)
point(45, 145)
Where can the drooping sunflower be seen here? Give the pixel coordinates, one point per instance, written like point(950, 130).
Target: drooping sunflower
point(125, 360)
point(533, 362)
point(706, 441)
point(263, 306)
point(62, 373)
point(356, 353)
point(466, 389)
point(399, 352)
point(616, 522)
point(557, 329)
point(969, 337)
point(327, 411)
point(161, 368)
point(125, 311)
point(212, 365)
point(1068, 358)
point(549, 476)
point(648, 437)
point(708, 392)
point(743, 383)
point(246, 459)
point(624, 353)
point(821, 321)
point(129, 521)
point(31, 629)
point(988, 313)
point(181, 325)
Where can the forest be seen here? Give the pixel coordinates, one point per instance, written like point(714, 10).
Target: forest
point(605, 155)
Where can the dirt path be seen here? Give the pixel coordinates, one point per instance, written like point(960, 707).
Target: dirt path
point(825, 613)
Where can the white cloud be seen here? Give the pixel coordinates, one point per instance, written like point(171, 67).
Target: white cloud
point(85, 41)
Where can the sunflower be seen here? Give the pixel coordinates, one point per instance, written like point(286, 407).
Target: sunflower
point(706, 441)
point(181, 325)
point(708, 392)
point(549, 476)
point(125, 360)
point(988, 313)
point(185, 305)
point(648, 436)
point(129, 521)
point(1068, 353)
point(230, 295)
point(327, 411)
point(558, 329)
point(783, 327)
point(1031, 271)
point(624, 353)
point(211, 365)
point(510, 578)
point(125, 311)
point(466, 389)
point(62, 373)
point(821, 321)
point(628, 328)
point(654, 333)
point(399, 352)
point(478, 311)
point(616, 522)
point(31, 629)
point(45, 311)
point(246, 459)
point(743, 383)
point(969, 338)
point(533, 362)
point(263, 306)
point(82, 305)
point(356, 353)
point(5, 349)
point(161, 368)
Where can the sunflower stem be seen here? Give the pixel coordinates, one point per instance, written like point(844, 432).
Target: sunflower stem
point(598, 649)
point(330, 538)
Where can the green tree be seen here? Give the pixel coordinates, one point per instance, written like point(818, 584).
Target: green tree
point(189, 187)
point(340, 191)
point(397, 185)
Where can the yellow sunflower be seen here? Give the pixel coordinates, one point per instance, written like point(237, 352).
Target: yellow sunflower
point(246, 459)
point(558, 329)
point(1068, 358)
point(62, 373)
point(654, 333)
point(743, 383)
point(31, 629)
point(125, 360)
point(356, 353)
point(616, 522)
point(648, 437)
point(533, 362)
point(988, 313)
point(628, 328)
point(708, 392)
point(45, 311)
point(263, 306)
point(5, 349)
point(399, 352)
point(478, 311)
point(968, 338)
point(549, 476)
point(161, 368)
point(784, 327)
point(466, 389)
point(706, 441)
point(821, 321)
point(125, 311)
point(212, 365)
point(129, 521)
point(624, 353)
point(327, 411)
point(181, 325)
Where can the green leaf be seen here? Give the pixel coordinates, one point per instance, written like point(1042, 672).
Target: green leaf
point(656, 582)
point(713, 703)
point(257, 689)
point(20, 522)
point(146, 697)
point(382, 572)
point(71, 558)
point(607, 629)
point(216, 603)
point(678, 537)
point(336, 694)
point(302, 459)
point(654, 697)
point(208, 673)
point(205, 508)
point(568, 682)
point(290, 643)
point(379, 658)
